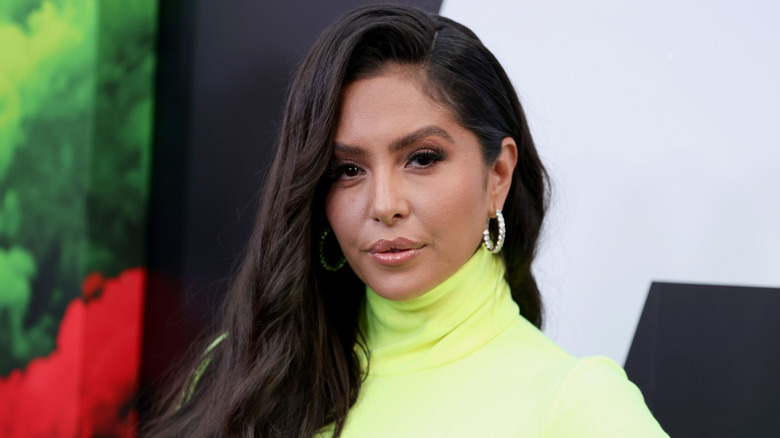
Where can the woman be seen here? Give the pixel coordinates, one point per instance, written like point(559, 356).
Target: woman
point(374, 300)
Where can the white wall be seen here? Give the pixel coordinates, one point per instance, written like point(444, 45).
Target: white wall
point(660, 125)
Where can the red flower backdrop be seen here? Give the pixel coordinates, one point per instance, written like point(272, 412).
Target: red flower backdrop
point(86, 386)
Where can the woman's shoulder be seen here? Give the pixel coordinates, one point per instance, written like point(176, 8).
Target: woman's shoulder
point(584, 397)
point(594, 395)
point(200, 369)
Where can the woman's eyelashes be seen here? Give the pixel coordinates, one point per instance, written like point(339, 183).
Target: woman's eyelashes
point(343, 169)
point(425, 157)
point(346, 169)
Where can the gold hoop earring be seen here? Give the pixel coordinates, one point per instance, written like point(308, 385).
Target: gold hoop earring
point(328, 267)
point(495, 249)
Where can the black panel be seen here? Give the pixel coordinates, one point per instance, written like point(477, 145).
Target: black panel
point(167, 322)
point(223, 71)
point(707, 359)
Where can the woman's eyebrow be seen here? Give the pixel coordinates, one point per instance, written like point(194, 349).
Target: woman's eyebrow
point(427, 131)
point(348, 150)
point(399, 143)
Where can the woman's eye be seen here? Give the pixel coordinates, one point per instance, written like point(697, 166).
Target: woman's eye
point(425, 158)
point(343, 170)
point(350, 170)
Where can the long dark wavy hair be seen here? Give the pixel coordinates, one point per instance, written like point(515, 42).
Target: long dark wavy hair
point(288, 366)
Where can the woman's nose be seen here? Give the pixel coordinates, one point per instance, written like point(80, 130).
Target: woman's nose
point(388, 203)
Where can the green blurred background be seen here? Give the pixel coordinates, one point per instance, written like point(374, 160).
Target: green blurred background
point(76, 102)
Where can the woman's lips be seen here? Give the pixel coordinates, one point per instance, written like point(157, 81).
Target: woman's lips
point(394, 252)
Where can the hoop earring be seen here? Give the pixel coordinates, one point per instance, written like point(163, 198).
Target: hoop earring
point(325, 264)
point(495, 249)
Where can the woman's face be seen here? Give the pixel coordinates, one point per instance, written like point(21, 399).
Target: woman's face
point(411, 191)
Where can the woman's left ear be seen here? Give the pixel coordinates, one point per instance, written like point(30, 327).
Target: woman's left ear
point(501, 174)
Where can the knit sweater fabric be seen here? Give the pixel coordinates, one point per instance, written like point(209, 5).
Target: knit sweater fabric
point(460, 361)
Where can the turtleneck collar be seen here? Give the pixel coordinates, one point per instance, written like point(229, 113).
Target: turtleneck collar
point(443, 325)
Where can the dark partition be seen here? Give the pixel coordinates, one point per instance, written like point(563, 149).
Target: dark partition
point(707, 359)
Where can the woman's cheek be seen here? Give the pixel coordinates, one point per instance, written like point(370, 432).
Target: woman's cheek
point(341, 212)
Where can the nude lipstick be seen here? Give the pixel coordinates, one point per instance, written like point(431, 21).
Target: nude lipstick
point(394, 252)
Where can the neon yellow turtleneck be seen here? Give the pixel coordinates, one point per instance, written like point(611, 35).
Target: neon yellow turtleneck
point(460, 361)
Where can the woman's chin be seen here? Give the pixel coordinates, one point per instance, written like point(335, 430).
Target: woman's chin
point(402, 287)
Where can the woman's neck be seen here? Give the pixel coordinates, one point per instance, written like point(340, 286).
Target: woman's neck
point(443, 325)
